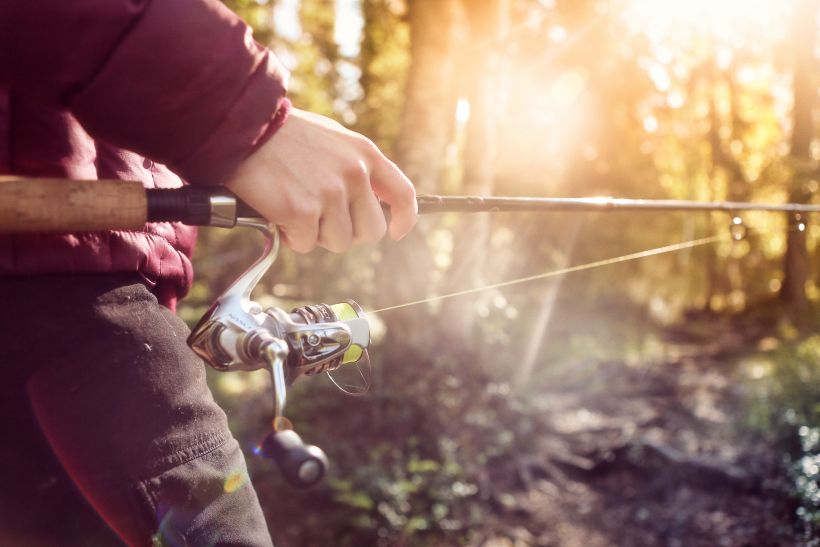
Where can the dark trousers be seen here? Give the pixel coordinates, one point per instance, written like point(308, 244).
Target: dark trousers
point(97, 384)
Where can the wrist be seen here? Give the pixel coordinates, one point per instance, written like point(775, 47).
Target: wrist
point(276, 122)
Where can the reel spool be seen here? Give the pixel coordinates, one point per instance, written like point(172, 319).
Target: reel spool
point(237, 334)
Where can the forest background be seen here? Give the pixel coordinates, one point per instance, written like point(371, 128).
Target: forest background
point(628, 98)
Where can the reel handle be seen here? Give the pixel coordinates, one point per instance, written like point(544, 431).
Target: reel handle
point(302, 465)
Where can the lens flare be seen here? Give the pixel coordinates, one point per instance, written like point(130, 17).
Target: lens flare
point(235, 480)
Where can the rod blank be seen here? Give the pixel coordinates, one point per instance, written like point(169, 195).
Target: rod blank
point(476, 204)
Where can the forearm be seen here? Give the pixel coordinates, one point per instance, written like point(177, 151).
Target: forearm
point(180, 81)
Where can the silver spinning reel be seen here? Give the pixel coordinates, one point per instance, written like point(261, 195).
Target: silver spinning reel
point(237, 334)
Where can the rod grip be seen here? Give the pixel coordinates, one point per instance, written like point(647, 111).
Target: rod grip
point(61, 205)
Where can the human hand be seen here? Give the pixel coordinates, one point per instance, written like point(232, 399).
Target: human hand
point(321, 184)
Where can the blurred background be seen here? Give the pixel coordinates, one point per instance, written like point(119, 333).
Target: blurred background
point(673, 400)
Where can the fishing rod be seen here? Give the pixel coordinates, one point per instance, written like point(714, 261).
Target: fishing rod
point(38, 205)
point(237, 333)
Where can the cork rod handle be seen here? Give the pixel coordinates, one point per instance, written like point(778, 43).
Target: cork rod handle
point(62, 205)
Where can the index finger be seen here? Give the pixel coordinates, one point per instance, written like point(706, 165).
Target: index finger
point(395, 189)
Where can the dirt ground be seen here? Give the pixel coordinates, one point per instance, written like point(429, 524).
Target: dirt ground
point(646, 455)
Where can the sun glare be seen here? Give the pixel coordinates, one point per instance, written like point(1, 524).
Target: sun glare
point(725, 20)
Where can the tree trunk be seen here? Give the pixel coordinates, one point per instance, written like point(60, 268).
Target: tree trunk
point(480, 57)
point(429, 97)
point(405, 270)
point(796, 261)
point(738, 187)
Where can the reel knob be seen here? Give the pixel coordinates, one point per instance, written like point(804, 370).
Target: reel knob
point(302, 465)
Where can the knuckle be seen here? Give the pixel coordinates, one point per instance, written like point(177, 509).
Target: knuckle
point(299, 245)
point(368, 146)
point(338, 243)
point(334, 192)
point(335, 246)
point(407, 193)
point(357, 174)
point(303, 248)
point(305, 210)
point(375, 233)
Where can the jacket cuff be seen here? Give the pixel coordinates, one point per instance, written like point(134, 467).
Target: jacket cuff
point(278, 121)
point(185, 86)
point(239, 134)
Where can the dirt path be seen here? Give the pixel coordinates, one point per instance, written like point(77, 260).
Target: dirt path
point(650, 455)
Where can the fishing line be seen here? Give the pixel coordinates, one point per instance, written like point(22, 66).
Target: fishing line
point(563, 271)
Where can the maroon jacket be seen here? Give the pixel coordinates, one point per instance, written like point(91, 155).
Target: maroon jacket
point(92, 88)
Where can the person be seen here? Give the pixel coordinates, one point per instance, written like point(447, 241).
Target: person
point(93, 363)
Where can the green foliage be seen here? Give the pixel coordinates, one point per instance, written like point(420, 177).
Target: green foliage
point(805, 471)
point(605, 110)
point(384, 60)
point(315, 79)
point(394, 489)
point(257, 13)
point(787, 405)
point(409, 462)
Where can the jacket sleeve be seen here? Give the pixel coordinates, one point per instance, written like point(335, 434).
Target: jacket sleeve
point(179, 81)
